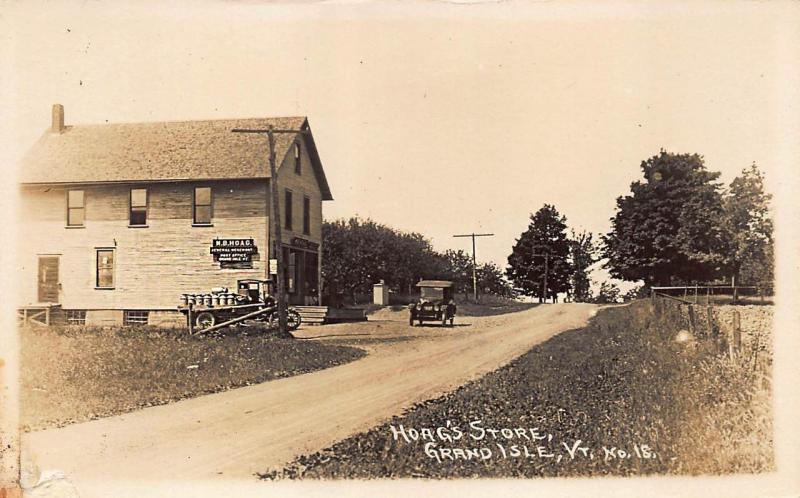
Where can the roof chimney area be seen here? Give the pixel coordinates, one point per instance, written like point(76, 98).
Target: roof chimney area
point(58, 118)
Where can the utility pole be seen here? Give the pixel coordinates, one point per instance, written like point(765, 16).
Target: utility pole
point(474, 264)
point(546, 268)
point(275, 218)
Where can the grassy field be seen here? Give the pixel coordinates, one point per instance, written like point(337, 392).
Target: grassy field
point(73, 374)
point(620, 397)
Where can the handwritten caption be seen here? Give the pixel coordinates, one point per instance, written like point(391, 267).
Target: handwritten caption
point(477, 442)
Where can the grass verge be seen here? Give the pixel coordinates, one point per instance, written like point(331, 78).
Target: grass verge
point(619, 397)
point(73, 374)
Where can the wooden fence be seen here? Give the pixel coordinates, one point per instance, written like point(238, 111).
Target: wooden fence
point(704, 322)
point(713, 294)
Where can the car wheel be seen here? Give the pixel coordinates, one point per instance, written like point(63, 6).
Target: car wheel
point(205, 320)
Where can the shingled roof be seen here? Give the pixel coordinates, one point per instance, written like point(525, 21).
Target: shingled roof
point(165, 151)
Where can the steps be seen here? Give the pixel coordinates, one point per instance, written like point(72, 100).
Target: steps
point(313, 314)
point(323, 314)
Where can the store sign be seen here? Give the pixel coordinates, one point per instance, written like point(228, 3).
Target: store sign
point(233, 250)
point(304, 244)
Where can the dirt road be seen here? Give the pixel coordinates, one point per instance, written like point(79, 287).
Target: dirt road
point(236, 433)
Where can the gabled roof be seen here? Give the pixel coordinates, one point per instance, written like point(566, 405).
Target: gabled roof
point(165, 151)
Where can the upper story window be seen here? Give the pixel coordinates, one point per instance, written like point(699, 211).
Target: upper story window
point(288, 210)
point(202, 206)
point(297, 162)
point(306, 215)
point(138, 211)
point(76, 211)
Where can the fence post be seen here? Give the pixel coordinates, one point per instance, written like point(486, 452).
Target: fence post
point(737, 331)
point(712, 331)
point(708, 296)
point(692, 320)
point(735, 289)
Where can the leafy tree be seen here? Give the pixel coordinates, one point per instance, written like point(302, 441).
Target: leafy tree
point(669, 227)
point(459, 270)
point(638, 292)
point(359, 253)
point(546, 234)
point(608, 293)
point(747, 219)
point(491, 280)
point(583, 254)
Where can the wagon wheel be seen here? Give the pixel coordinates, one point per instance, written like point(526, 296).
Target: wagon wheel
point(293, 320)
point(205, 320)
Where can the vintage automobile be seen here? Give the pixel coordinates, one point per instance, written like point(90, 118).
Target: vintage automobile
point(435, 303)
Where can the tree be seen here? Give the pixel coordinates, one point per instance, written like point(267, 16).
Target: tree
point(492, 281)
point(748, 222)
point(669, 228)
point(608, 293)
point(359, 253)
point(637, 292)
point(546, 234)
point(583, 254)
point(459, 270)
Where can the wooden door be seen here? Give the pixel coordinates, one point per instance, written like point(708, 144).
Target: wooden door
point(48, 279)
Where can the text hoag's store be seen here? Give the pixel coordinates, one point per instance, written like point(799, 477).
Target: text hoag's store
point(117, 221)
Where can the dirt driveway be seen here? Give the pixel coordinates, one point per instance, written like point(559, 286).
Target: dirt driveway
point(236, 433)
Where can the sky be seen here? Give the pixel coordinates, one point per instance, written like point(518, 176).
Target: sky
point(439, 118)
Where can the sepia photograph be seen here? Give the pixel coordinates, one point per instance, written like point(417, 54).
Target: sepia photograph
point(373, 248)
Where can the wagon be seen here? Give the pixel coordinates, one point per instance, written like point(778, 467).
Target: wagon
point(221, 308)
point(435, 303)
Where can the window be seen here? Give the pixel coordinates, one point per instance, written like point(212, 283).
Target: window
point(138, 213)
point(306, 215)
point(105, 269)
point(288, 209)
point(75, 208)
point(297, 163)
point(202, 206)
point(135, 317)
point(75, 317)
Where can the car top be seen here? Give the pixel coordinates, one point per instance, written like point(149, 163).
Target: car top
point(434, 283)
